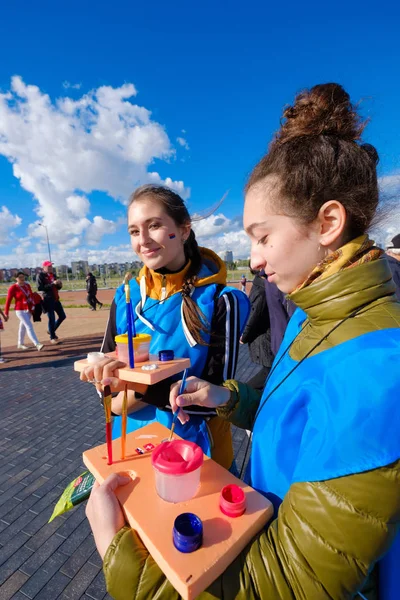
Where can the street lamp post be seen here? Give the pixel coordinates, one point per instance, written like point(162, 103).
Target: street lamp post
point(47, 236)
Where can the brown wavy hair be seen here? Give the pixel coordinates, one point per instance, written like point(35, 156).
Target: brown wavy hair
point(175, 208)
point(317, 155)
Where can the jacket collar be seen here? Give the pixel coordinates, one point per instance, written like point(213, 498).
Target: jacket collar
point(337, 296)
point(162, 286)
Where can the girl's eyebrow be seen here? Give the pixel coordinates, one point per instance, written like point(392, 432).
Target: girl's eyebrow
point(253, 226)
point(130, 225)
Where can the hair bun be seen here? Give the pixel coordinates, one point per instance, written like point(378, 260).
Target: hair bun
point(325, 109)
point(372, 152)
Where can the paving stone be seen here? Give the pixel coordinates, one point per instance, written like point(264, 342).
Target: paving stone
point(10, 511)
point(30, 489)
point(14, 490)
point(53, 588)
point(7, 551)
point(44, 534)
point(80, 582)
point(95, 558)
point(97, 589)
point(43, 575)
point(15, 527)
point(73, 520)
point(10, 479)
point(39, 557)
point(12, 585)
point(74, 541)
point(13, 563)
point(80, 556)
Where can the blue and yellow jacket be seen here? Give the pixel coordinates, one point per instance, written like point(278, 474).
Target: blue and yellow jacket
point(157, 302)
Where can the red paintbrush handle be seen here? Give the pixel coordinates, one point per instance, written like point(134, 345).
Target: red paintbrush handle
point(109, 443)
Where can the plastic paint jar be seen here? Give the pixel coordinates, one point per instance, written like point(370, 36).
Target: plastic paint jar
point(95, 357)
point(232, 501)
point(165, 355)
point(141, 346)
point(187, 533)
point(177, 465)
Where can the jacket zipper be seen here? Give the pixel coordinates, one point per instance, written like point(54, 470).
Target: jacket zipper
point(163, 288)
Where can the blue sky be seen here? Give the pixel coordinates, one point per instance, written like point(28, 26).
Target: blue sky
point(216, 76)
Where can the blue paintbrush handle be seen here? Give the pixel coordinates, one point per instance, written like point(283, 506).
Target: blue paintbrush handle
point(181, 390)
point(130, 342)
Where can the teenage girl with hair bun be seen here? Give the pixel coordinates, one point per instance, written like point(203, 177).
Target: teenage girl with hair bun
point(326, 444)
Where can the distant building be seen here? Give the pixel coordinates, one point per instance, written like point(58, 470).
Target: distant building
point(62, 271)
point(80, 267)
point(228, 256)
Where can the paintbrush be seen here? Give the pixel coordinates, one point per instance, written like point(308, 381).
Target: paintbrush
point(130, 321)
point(107, 400)
point(175, 417)
point(123, 424)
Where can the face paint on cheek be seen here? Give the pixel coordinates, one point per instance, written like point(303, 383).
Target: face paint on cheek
point(171, 236)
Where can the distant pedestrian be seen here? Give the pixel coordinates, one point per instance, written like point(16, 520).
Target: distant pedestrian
point(2, 360)
point(393, 257)
point(91, 288)
point(21, 293)
point(243, 282)
point(49, 286)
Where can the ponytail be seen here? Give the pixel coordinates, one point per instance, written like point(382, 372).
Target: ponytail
point(195, 319)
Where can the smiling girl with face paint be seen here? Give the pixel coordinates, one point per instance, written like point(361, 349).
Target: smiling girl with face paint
point(180, 298)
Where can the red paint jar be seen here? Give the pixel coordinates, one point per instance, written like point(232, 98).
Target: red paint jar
point(232, 501)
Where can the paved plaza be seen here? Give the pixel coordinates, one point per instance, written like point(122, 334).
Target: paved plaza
point(48, 419)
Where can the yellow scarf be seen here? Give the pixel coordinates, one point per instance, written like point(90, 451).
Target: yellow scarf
point(358, 251)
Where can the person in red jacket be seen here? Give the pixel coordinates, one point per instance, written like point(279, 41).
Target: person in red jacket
point(21, 292)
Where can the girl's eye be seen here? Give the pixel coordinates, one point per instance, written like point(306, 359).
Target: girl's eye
point(154, 226)
point(262, 241)
point(133, 232)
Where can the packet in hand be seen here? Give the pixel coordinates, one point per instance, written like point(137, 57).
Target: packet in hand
point(76, 492)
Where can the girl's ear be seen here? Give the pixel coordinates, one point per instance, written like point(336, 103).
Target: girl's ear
point(332, 222)
point(185, 231)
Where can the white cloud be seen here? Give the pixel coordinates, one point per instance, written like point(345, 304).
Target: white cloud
point(99, 228)
point(73, 86)
point(237, 241)
point(66, 253)
point(219, 233)
point(78, 206)
point(182, 142)
point(215, 224)
point(388, 218)
point(60, 151)
point(390, 184)
point(8, 222)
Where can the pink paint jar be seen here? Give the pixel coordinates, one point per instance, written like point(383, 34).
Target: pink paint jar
point(232, 501)
point(177, 465)
point(141, 346)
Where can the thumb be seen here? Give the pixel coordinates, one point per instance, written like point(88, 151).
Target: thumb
point(187, 399)
point(116, 480)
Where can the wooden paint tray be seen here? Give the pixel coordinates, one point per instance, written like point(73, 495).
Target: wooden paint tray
point(137, 375)
point(153, 518)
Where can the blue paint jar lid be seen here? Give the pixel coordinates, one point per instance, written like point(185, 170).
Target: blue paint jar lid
point(187, 533)
point(165, 355)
